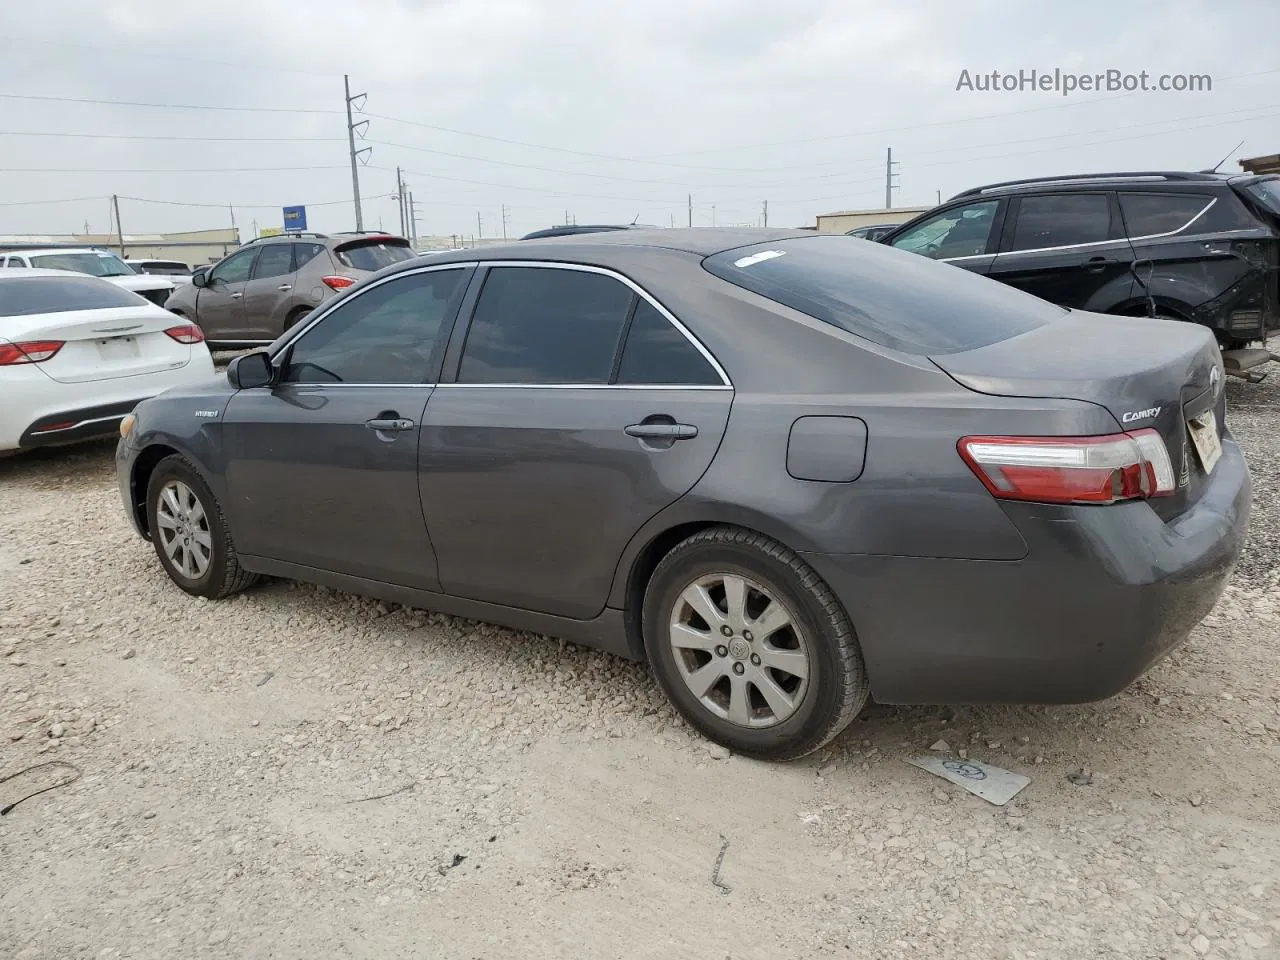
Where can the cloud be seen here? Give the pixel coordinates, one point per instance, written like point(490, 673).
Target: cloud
point(732, 101)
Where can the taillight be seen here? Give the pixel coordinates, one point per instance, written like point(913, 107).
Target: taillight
point(336, 282)
point(1122, 466)
point(30, 351)
point(186, 333)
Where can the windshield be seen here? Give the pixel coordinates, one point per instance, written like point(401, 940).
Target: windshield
point(1267, 192)
point(94, 264)
point(375, 255)
point(883, 295)
point(24, 296)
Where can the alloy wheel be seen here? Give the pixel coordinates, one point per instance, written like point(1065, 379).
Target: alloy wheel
point(183, 528)
point(740, 650)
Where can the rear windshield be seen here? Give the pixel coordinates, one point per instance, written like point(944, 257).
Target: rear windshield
point(25, 295)
point(890, 297)
point(162, 268)
point(1266, 192)
point(373, 255)
point(94, 264)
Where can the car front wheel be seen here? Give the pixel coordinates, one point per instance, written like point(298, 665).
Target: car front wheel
point(190, 534)
point(751, 646)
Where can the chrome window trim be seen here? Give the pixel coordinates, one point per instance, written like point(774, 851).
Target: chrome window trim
point(1170, 233)
point(725, 383)
point(319, 315)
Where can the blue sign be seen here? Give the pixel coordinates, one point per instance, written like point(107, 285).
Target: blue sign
point(295, 219)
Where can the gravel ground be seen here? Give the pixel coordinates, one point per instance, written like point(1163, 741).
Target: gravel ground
point(299, 773)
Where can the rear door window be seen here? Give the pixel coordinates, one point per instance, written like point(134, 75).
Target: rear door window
point(24, 296)
point(304, 253)
point(1151, 214)
point(881, 295)
point(1062, 220)
point(275, 260)
point(541, 325)
point(373, 255)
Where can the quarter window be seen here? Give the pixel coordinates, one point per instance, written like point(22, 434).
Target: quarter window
point(1063, 220)
point(657, 353)
point(234, 269)
point(388, 334)
point(544, 325)
point(959, 232)
point(1146, 214)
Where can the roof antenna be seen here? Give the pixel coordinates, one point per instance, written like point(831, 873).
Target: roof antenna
point(637, 217)
point(1226, 158)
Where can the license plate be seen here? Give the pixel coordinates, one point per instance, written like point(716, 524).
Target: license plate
point(1204, 434)
point(118, 348)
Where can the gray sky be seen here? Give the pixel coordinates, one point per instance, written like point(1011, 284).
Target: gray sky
point(607, 109)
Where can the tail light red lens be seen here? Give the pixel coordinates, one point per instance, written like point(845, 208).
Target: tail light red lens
point(337, 283)
point(186, 333)
point(29, 351)
point(1099, 470)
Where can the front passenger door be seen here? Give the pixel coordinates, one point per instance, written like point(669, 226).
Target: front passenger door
point(220, 303)
point(323, 466)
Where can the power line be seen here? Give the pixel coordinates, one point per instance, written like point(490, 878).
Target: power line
point(33, 203)
point(239, 65)
point(250, 206)
point(164, 106)
point(169, 169)
point(166, 138)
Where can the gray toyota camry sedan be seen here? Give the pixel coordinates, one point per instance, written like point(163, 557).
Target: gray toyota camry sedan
point(789, 471)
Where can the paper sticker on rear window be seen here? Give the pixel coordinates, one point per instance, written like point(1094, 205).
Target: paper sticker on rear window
point(760, 257)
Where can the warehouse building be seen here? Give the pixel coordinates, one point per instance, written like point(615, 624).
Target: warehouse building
point(1259, 165)
point(194, 247)
point(846, 220)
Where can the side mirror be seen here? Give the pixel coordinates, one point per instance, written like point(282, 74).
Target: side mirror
point(251, 370)
point(200, 277)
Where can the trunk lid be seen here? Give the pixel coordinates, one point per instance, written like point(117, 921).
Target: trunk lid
point(1156, 374)
point(103, 344)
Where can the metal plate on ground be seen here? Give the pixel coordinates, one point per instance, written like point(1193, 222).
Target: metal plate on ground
point(992, 784)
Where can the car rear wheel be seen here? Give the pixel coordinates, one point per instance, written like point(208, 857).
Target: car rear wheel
point(189, 533)
point(751, 646)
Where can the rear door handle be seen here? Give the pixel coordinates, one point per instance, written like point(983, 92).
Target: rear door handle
point(236, 296)
point(285, 286)
point(661, 431)
point(390, 424)
point(1099, 263)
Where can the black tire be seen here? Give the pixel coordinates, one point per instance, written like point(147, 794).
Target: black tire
point(836, 688)
point(296, 318)
point(223, 575)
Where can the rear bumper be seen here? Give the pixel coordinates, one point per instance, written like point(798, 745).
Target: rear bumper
point(72, 426)
point(1103, 594)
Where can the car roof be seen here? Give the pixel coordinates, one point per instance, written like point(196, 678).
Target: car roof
point(10, 273)
point(587, 248)
point(41, 251)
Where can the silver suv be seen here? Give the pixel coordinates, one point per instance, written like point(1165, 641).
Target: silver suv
point(253, 295)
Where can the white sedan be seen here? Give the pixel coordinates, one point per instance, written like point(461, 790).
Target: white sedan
point(77, 353)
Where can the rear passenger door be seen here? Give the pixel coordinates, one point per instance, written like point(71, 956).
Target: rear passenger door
point(268, 295)
point(578, 409)
point(1069, 248)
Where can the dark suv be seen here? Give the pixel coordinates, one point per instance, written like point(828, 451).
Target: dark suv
point(253, 295)
point(1203, 247)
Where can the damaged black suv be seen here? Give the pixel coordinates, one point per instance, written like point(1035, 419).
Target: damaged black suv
point(1201, 247)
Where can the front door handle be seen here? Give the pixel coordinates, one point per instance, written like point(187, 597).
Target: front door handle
point(1099, 263)
point(284, 286)
point(236, 296)
point(390, 424)
point(661, 431)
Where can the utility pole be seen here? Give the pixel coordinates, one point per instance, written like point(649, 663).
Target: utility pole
point(479, 228)
point(713, 214)
point(413, 224)
point(505, 217)
point(351, 144)
point(939, 198)
point(255, 229)
point(764, 214)
point(691, 209)
point(566, 218)
point(115, 205)
point(888, 180)
point(400, 202)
